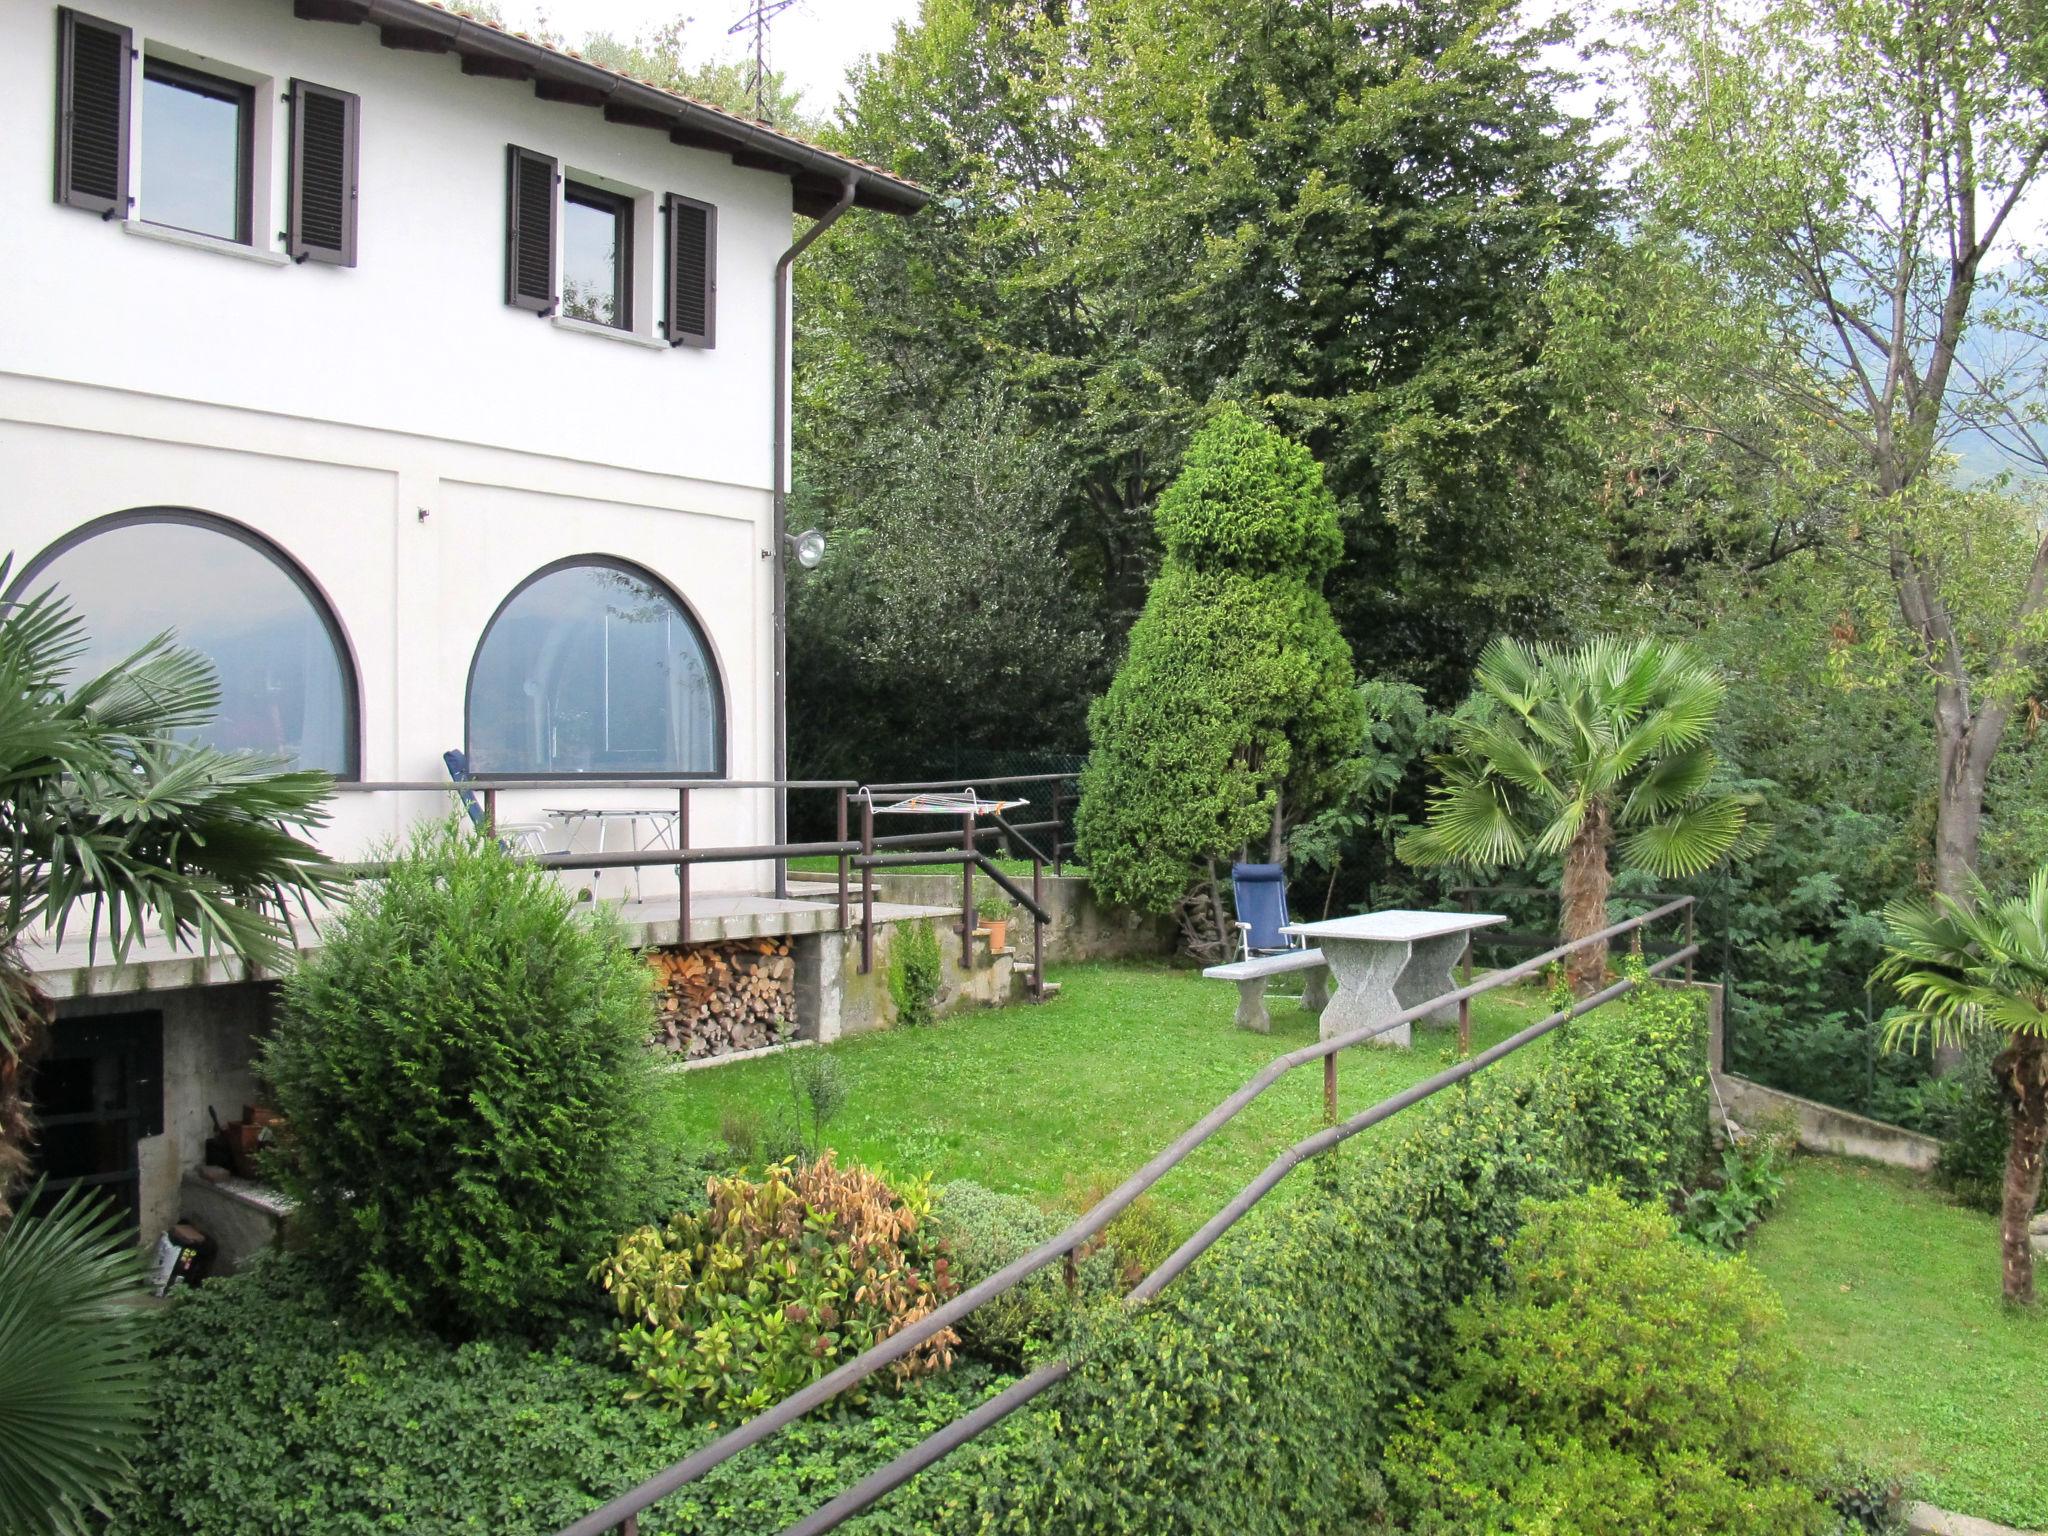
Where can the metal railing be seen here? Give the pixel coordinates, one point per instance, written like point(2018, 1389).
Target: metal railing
point(866, 854)
point(622, 1513)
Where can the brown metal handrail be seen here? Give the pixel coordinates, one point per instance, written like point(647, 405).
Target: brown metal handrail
point(623, 1512)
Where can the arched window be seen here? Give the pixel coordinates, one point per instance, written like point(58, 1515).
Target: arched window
point(287, 686)
point(593, 666)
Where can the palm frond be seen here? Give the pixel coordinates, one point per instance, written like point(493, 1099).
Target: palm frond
point(73, 1388)
point(1684, 842)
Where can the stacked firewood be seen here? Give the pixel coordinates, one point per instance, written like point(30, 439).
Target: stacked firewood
point(732, 996)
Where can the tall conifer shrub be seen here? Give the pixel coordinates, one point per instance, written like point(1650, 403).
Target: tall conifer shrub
point(1234, 714)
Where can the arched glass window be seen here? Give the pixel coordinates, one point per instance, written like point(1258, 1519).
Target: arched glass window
point(592, 666)
point(287, 686)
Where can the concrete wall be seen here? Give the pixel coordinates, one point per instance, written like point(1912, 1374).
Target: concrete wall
point(835, 999)
point(209, 1038)
point(1823, 1128)
point(1083, 928)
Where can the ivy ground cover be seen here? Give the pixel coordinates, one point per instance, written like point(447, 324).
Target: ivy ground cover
point(1053, 1100)
point(1912, 1360)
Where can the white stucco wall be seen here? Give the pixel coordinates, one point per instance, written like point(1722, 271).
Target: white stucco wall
point(414, 444)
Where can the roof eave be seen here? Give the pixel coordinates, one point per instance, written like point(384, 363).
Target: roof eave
point(816, 175)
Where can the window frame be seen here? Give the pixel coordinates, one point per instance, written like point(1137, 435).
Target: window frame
point(586, 194)
point(720, 714)
point(218, 88)
point(351, 672)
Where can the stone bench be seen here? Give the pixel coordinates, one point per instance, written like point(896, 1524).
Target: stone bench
point(1251, 977)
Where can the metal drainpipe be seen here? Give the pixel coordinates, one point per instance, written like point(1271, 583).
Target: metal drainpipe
point(780, 542)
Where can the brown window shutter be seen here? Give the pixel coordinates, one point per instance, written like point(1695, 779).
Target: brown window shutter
point(692, 273)
point(530, 230)
point(321, 219)
point(93, 85)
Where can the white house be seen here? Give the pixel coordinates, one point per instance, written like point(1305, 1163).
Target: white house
point(430, 380)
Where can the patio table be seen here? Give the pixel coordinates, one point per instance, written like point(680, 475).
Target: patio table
point(661, 821)
point(1387, 962)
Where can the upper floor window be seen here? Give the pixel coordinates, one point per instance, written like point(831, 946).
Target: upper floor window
point(593, 666)
point(570, 251)
point(287, 687)
point(196, 151)
point(597, 255)
point(207, 145)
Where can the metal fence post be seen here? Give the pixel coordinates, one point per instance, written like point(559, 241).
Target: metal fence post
point(1330, 1088)
point(1038, 930)
point(490, 812)
point(1688, 939)
point(967, 893)
point(840, 822)
point(867, 885)
point(682, 869)
point(1465, 1005)
point(1059, 826)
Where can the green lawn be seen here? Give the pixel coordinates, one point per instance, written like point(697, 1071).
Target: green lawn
point(1912, 1358)
point(1044, 1101)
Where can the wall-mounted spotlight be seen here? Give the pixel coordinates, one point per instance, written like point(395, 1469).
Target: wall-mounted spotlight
point(808, 547)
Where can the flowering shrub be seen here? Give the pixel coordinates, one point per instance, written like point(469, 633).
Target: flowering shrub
point(734, 1307)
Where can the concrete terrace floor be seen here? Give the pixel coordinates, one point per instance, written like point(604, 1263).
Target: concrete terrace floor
point(80, 967)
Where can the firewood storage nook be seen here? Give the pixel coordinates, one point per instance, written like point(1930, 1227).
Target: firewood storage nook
point(712, 999)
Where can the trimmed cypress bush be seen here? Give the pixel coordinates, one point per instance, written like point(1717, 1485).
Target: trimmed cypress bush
point(464, 1073)
point(1234, 713)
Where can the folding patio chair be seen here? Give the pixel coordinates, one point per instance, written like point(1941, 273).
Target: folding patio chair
point(1260, 894)
point(528, 837)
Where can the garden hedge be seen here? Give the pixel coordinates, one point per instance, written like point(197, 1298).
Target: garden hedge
point(1255, 1396)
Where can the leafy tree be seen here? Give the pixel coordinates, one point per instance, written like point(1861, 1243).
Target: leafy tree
point(1578, 755)
point(110, 818)
point(1962, 972)
point(1352, 236)
point(74, 1391)
point(1851, 174)
point(1235, 713)
point(944, 611)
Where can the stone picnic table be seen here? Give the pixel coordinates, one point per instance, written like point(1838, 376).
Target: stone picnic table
point(1387, 962)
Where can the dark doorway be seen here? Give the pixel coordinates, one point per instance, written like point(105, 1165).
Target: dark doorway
point(97, 1092)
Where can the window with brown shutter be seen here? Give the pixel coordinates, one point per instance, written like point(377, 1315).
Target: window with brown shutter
point(692, 271)
point(529, 230)
point(321, 220)
point(93, 85)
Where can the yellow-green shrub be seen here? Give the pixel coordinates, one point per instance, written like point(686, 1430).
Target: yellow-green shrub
point(779, 1280)
point(1621, 1383)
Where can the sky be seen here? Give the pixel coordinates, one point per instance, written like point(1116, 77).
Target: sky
point(813, 42)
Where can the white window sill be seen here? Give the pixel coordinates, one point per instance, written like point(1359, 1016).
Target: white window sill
point(185, 237)
point(606, 332)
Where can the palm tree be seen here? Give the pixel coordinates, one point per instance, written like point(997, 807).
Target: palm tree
point(1964, 970)
point(1576, 754)
point(73, 1388)
point(111, 819)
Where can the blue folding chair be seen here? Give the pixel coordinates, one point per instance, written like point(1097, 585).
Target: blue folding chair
point(512, 836)
point(1260, 892)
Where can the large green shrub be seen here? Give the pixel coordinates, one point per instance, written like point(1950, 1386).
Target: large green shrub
point(463, 1069)
point(1621, 1383)
point(1255, 1395)
point(1233, 714)
point(273, 1415)
point(777, 1282)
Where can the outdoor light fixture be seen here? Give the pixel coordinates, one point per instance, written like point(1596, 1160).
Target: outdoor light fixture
point(808, 546)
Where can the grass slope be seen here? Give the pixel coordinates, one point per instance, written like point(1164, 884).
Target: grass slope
point(1912, 1358)
point(1047, 1101)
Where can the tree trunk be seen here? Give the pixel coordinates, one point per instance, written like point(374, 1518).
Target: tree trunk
point(1586, 879)
point(2024, 1066)
point(28, 1004)
point(1964, 747)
